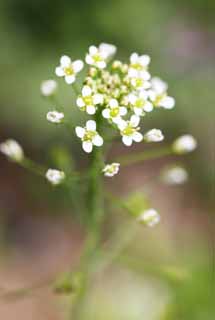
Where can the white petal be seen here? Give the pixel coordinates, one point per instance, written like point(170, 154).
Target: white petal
point(117, 120)
point(65, 61)
point(159, 85)
point(167, 103)
point(113, 103)
point(122, 125)
point(80, 132)
point(77, 65)
point(138, 111)
point(93, 50)
point(91, 125)
point(127, 140)
point(70, 79)
point(137, 137)
point(148, 107)
point(108, 49)
point(122, 111)
point(101, 64)
point(132, 98)
point(59, 72)
point(134, 120)
point(145, 75)
point(144, 60)
point(86, 91)
point(98, 98)
point(98, 140)
point(132, 73)
point(80, 102)
point(90, 109)
point(143, 94)
point(87, 146)
point(134, 57)
point(89, 59)
point(106, 113)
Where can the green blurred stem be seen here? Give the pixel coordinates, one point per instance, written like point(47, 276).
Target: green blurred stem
point(95, 214)
point(143, 156)
point(33, 167)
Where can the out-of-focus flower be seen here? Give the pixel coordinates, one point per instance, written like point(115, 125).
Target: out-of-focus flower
point(139, 63)
point(48, 87)
point(108, 50)
point(68, 69)
point(149, 217)
point(89, 136)
point(12, 149)
point(54, 176)
point(88, 100)
point(158, 94)
point(96, 57)
point(184, 144)
point(154, 135)
point(129, 130)
point(139, 102)
point(114, 112)
point(111, 170)
point(55, 116)
point(174, 175)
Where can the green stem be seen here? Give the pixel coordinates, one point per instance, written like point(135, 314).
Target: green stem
point(146, 155)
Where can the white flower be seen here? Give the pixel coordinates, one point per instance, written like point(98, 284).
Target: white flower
point(69, 69)
point(54, 176)
point(55, 116)
point(139, 62)
point(12, 150)
point(158, 94)
point(154, 135)
point(184, 144)
point(89, 136)
point(149, 217)
point(48, 87)
point(96, 57)
point(114, 111)
point(140, 103)
point(129, 130)
point(111, 170)
point(175, 175)
point(139, 79)
point(88, 100)
point(108, 50)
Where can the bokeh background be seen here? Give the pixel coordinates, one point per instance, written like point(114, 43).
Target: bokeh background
point(166, 273)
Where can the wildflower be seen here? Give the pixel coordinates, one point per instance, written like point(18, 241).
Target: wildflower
point(184, 144)
point(154, 135)
point(12, 149)
point(140, 103)
point(139, 63)
point(111, 170)
point(114, 111)
point(88, 100)
point(89, 136)
point(158, 94)
point(175, 175)
point(129, 130)
point(108, 50)
point(69, 69)
point(54, 176)
point(149, 217)
point(55, 116)
point(96, 57)
point(48, 87)
point(139, 80)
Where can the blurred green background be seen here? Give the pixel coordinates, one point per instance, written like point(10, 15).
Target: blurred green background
point(179, 37)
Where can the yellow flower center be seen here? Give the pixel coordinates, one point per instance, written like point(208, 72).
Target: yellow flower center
point(114, 112)
point(69, 71)
point(139, 103)
point(128, 131)
point(137, 66)
point(88, 100)
point(97, 58)
point(89, 135)
point(139, 82)
point(159, 98)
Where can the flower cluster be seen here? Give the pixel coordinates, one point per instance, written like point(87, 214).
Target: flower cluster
point(120, 93)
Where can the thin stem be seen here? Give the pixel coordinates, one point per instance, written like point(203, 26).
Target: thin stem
point(143, 156)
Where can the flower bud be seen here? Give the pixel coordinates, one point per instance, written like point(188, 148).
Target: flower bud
point(184, 144)
point(48, 87)
point(55, 116)
point(154, 135)
point(12, 150)
point(149, 217)
point(54, 176)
